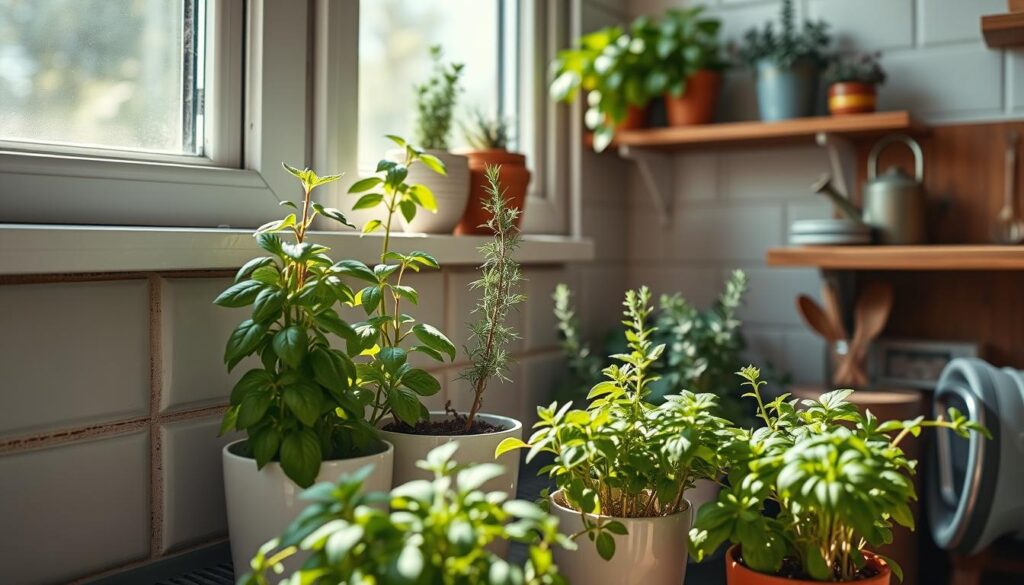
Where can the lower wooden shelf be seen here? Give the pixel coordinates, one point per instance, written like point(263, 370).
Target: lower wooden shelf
point(935, 257)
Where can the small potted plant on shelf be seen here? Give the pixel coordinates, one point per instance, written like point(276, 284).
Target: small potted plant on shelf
point(689, 50)
point(489, 141)
point(435, 109)
point(437, 532)
point(478, 433)
point(786, 65)
point(622, 466)
point(838, 479)
point(853, 83)
point(288, 403)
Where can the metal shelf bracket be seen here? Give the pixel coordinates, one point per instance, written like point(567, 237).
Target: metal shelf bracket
point(843, 159)
point(656, 172)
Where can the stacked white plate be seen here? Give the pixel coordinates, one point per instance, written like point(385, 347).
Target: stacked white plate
point(829, 232)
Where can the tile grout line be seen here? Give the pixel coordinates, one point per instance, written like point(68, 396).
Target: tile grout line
point(156, 476)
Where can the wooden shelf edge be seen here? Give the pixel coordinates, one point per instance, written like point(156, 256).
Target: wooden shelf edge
point(1003, 30)
point(935, 257)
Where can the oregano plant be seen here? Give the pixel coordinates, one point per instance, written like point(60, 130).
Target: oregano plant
point(435, 102)
point(383, 341)
point(297, 406)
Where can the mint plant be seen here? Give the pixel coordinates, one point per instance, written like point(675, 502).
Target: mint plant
point(623, 456)
point(435, 102)
point(838, 478)
point(382, 343)
point(436, 532)
point(298, 405)
point(498, 285)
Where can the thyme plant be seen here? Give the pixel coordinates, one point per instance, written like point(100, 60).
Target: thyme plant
point(623, 456)
point(838, 478)
point(483, 133)
point(786, 47)
point(436, 532)
point(435, 102)
point(297, 406)
point(498, 286)
point(389, 384)
point(862, 68)
point(584, 367)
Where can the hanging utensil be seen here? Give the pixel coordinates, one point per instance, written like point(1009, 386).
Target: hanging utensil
point(815, 318)
point(1009, 227)
point(870, 316)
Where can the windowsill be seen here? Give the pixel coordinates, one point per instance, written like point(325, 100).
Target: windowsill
point(44, 249)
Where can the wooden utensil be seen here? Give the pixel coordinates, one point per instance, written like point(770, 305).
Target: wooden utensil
point(1009, 227)
point(832, 310)
point(816, 318)
point(870, 316)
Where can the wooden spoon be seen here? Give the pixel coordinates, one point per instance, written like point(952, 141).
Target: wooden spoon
point(832, 308)
point(816, 318)
point(870, 316)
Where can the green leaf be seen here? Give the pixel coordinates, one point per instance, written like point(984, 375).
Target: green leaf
point(372, 226)
point(271, 243)
point(252, 265)
point(229, 422)
point(253, 408)
point(433, 163)
point(424, 259)
point(401, 142)
point(330, 321)
point(408, 209)
point(355, 269)
point(424, 197)
point(332, 213)
point(330, 369)
point(267, 275)
point(243, 340)
point(268, 304)
point(341, 542)
point(473, 477)
point(301, 456)
point(409, 564)
point(392, 358)
point(509, 444)
point(616, 527)
point(434, 339)
point(605, 545)
point(407, 292)
point(365, 184)
point(239, 294)
point(277, 225)
point(404, 404)
point(265, 443)
point(305, 402)
point(370, 298)
point(421, 382)
point(368, 201)
point(252, 381)
point(290, 345)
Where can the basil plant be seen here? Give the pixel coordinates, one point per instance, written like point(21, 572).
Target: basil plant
point(296, 404)
point(838, 478)
point(623, 456)
point(436, 533)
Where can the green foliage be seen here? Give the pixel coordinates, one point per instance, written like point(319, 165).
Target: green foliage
point(435, 102)
point(839, 480)
point(787, 46)
point(483, 133)
point(863, 68)
point(435, 534)
point(686, 42)
point(499, 283)
point(382, 343)
point(301, 403)
point(623, 456)
point(702, 349)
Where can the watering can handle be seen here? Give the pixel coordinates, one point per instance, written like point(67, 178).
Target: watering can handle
point(881, 145)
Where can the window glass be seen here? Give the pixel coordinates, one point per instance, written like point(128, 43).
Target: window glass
point(117, 74)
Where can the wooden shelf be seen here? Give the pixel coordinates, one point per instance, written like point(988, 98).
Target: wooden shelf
point(936, 257)
point(741, 133)
point(1003, 30)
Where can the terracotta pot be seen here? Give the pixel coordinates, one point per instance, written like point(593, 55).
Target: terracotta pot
point(848, 97)
point(636, 118)
point(515, 178)
point(698, 103)
point(738, 574)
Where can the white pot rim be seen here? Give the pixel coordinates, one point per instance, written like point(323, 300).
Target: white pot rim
point(439, 153)
point(652, 519)
point(508, 424)
point(389, 448)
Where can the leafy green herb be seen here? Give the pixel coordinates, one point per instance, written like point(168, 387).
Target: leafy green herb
point(686, 42)
point(435, 102)
point(483, 133)
point(863, 68)
point(788, 46)
point(436, 532)
point(839, 480)
point(498, 286)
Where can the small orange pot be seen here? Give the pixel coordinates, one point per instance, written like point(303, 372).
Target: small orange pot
point(514, 176)
point(636, 118)
point(698, 103)
point(738, 574)
point(847, 97)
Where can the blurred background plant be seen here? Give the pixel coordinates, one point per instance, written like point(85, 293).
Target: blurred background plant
point(483, 132)
point(435, 102)
point(785, 47)
point(858, 68)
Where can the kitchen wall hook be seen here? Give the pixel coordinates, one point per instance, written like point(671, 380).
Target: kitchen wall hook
point(655, 171)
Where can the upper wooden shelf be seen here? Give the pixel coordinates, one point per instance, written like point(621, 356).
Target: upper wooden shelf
point(739, 133)
point(935, 257)
point(1003, 30)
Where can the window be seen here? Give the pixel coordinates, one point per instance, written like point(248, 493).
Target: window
point(118, 75)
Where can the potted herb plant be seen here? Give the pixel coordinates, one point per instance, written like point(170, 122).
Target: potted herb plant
point(489, 142)
point(838, 479)
point(689, 50)
point(852, 83)
point(437, 532)
point(288, 402)
point(435, 110)
point(786, 65)
point(477, 432)
point(622, 466)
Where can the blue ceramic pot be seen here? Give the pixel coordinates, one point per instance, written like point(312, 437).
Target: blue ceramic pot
point(786, 92)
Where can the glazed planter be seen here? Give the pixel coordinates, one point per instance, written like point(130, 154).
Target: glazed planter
point(654, 551)
point(261, 503)
point(698, 103)
point(736, 573)
point(850, 97)
point(410, 448)
point(515, 178)
point(785, 93)
point(451, 192)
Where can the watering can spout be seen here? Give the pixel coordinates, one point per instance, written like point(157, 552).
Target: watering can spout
point(824, 186)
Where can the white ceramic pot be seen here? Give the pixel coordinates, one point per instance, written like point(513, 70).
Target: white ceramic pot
point(411, 448)
point(703, 491)
point(652, 553)
point(451, 192)
point(261, 503)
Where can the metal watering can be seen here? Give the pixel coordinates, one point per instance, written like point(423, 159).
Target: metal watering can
point(894, 202)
